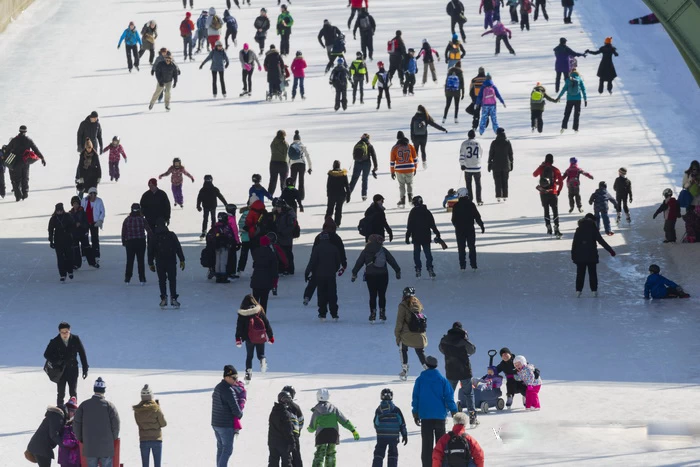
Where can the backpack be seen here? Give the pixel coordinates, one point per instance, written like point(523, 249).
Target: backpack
point(201, 22)
point(574, 87)
point(452, 83)
point(231, 23)
point(389, 421)
point(417, 322)
point(455, 52)
point(536, 97)
point(338, 46)
point(378, 261)
point(489, 93)
point(216, 22)
point(420, 127)
point(360, 152)
point(340, 76)
point(364, 23)
point(363, 225)
point(547, 178)
point(457, 452)
point(294, 152)
point(257, 334)
point(392, 46)
point(206, 258)
point(185, 28)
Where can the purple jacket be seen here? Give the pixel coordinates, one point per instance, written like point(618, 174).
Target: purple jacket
point(69, 451)
point(562, 53)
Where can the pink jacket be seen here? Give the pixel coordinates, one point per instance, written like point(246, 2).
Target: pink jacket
point(234, 227)
point(572, 174)
point(499, 30)
point(115, 152)
point(298, 65)
point(176, 174)
point(241, 395)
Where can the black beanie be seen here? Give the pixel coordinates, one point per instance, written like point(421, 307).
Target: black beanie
point(230, 370)
point(504, 350)
point(296, 136)
point(549, 158)
point(400, 135)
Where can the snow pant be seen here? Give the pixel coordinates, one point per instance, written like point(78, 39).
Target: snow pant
point(488, 112)
point(405, 184)
point(298, 81)
point(514, 387)
point(298, 170)
point(431, 66)
point(243, 260)
point(261, 295)
point(500, 179)
point(425, 246)
point(167, 272)
point(70, 377)
point(465, 396)
point(280, 456)
point(488, 19)
point(380, 449)
point(352, 15)
point(396, 65)
point(81, 247)
point(206, 215)
point(247, 76)
point(466, 240)
point(420, 352)
point(42, 461)
point(431, 430)
point(212, 40)
point(251, 348)
point(278, 169)
point(284, 44)
point(187, 44)
point(95, 239)
point(19, 177)
point(581, 276)
point(335, 203)
point(213, 82)
point(384, 91)
point(536, 120)
point(360, 168)
point(670, 230)
point(159, 89)
point(324, 456)
point(541, 4)
point(146, 448)
point(622, 204)
point(289, 253)
point(409, 82)
point(64, 258)
point(99, 461)
point(377, 285)
point(532, 398)
point(224, 444)
point(476, 176)
point(524, 21)
point(601, 83)
point(419, 143)
point(327, 296)
point(367, 44)
point(606, 220)
point(576, 106)
point(177, 194)
point(341, 96)
point(558, 79)
point(457, 21)
point(221, 256)
point(358, 83)
point(574, 197)
point(132, 51)
point(114, 170)
point(568, 10)
point(135, 248)
point(151, 51)
point(514, 13)
point(448, 101)
point(232, 33)
point(503, 38)
point(550, 200)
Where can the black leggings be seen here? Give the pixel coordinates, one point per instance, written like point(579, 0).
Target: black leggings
point(261, 295)
point(448, 102)
point(335, 203)
point(419, 143)
point(232, 33)
point(622, 204)
point(221, 79)
point(248, 80)
point(377, 285)
point(243, 260)
point(250, 348)
point(581, 276)
point(404, 354)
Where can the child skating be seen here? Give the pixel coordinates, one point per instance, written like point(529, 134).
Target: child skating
point(572, 177)
point(324, 422)
point(623, 192)
point(672, 211)
point(176, 171)
point(253, 328)
point(116, 152)
point(381, 79)
point(600, 199)
point(410, 74)
point(258, 190)
point(537, 104)
point(389, 423)
point(657, 286)
point(502, 34)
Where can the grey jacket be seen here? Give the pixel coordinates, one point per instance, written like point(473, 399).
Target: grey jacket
point(248, 57)
point(96, 425)
point(219, 60)
point(375, 258)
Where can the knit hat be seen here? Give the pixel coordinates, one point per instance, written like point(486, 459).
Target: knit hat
point(74, 199)
point(146, 393)
point(457, 325)
point(245, 46)
point(400, 135)
point(230, 370)
point(265, 241)
point(573, 160)
point(608, 40)
point(72, 403)
point(249, 303)
point(93, 114)
point(100, 386)
point(562, 40)
point(398, 32)
point(296, 135)
point(504, 350)
point(218, 43)
point(549, 158)
point(602, 185)
point(431, 361)
point(622, 171)
point(272, 46)
point(153, 182)
point(500, 130)
point(460, 418)
point(471, 134)
point(329, 225)
point(377, 198)
point(23, 129)
point(520, 359)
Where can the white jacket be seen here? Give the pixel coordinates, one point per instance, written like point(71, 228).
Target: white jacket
point(470, 156)
point(305, 158)
point(98, 210)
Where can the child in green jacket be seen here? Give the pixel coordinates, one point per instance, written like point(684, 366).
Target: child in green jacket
point(324, 421)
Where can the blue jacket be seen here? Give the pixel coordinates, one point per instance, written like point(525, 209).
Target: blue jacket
point(219, 60)
point(412, 66)
point(656, 285)
point(600, 198)
point(231, 23)
point(261, 193)
point(571, 96)
point(132, 37)
point(389, 421)
point(432, 396)
point(224, 406)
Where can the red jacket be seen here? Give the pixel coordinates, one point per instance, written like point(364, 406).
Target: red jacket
point(251, 221)
point(358, 3)
point(439, 450)
point(298, 65)
point(558, 180)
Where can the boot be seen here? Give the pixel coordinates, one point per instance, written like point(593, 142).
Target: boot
point(402, 202)
point(263, 365)
point(629, 218)
point(248, 375)
point(372, 316)
point(163, 300)
point(382, 314)
point(222, 279)
point(418, 272)
point(404, 372)
point(431, 273)
point(509, 402)
point(619, 217)
point(549, 230)
point(174, 303)
point(473, 422)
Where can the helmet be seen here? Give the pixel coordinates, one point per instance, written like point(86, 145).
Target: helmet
point(380, 64)
point(520, 359)
point(417, 200)
point(231, 208)
point(289, 182)
point(463, 193)
point(176, 160)
point(208, 178)
point(223, 217)
point(387, 394)
point(298, 54)
point(654, 269)
point(322, 395)
point(256, 178)
point(409, 292)
point(284, 398)
point(340, 61)
point(668, 193)
point(359, 54)
point(290, 389)
point(455, 37)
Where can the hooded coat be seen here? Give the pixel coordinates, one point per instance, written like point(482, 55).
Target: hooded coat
point(150, 420)
point(368, 256)
point(219, 60)
point(337, 185)
point(336, 241)
point(420, 223)
point(583, 248)
point(89, 168)
point(376, 220)
point(325, 258)
point(155, 206)
point(243, 320)
point(61, 228)
point(164, 247)
point(48, 435)
point(456, 348)
point(464, 214)
point(574, 93)
point(280, 432)
point(88, 129)
point(500, 154)
point(208, 195)
point(416, 340)
point(562, 52)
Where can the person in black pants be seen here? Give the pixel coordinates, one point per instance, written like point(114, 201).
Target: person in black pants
point(61, 228)
point(63, 351)
point(365, 23)
point(264, 271)
point(420, 223)
point(338, 192)
point(206, 202)
point(164, 247)
point(501, 163)
point(455, 9)
point(584, 252)
point(376, 273)
point(329, 228)
point(134, 231)
point(47, 436)
point(365, 157)
point(464, 215)
point(324, 264)
point(81, 242)
point(396, 58)
point(251, 309)
point(541, 4)
point(549, 192)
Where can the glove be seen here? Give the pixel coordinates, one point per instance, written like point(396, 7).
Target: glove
point(416, 419)
point(393, 176)
point(200, 66)
point(43, 162)
point(557, 100)
point(354, 37)
point(612, 253)
point(408, 240)
point(630, 200)
point(80, 181)
point(98, 180)
point(125, 160)
point(301, 208)
point(239, 343)
point(259, 68)
point(374, 173)
point(152, 268)
point(174, 85)
point(446, 131)
point(52, 245)
point(160, 84)
point(504, 106)
point(398, 275)
point(182, 265)
point(99, 224)
point(488, 168)
point(85, 372)
point(356, 435)
point(352, 279)
point(537, 373)
point(118, 47)
point(238, 246)
point(341, 271)
point(483, 229)
point(585, 103)
point(654, 216)
point(310, 429)
point(347, 200)
point(404, 440)
point(391, 236)
point(464, 169)
point(199, 208)
point(372, 89)
point(272, 340)
point(226, 66)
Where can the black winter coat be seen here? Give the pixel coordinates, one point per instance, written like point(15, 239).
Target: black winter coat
point(456, 348)
point(292, 197)
point(19, 144)
point(325, 259)
point(420, 223)
point(243, 321)
point(164, 247)
point(207, 196)
point(376, 220)
point(165, 73)
point(89, 169)
point(606, 69)
point(48, 435)
point(155, 206)
point(58, 352)
point(464, 214)
point(87, 129)
point(419, 125)
point(337, 186)
point(273, 65)
point(500, 155)
point(262, 23)
point(328, 33)
point(583, 248)
point(79, 217)
point(61, 229)
point(224, 406)
point(338, 242)
point(264, 268)
point(507, 368)
point(284, 227)
point(358, 25)
point(281, 429)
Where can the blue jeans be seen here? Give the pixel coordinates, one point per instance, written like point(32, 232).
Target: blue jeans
point(92, 461)
point(428, 255)
point(606, 220)
point(360, 168)
point(486, 112)
point(465, 396)
point(380, 449)
point(300, 82)
point(146, 448)
point(224, 444)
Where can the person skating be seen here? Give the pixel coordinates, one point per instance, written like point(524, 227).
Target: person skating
point(375, 258)
point(501, 163)
point(62, 353)
point(282, 426)
point(261, 26)
point(164, 248)
point(525, 10)
point(279, 160)
point(69, 448)
point(374, 221)
point(220, 239)
point(214, 26)
point(541, 4)
point(253, 328)
point(116, 152)
point(326, 37)
point(457, 349)
point(575, 89)
point(61, 228)
point(245, 239)
point(329, 228)
point(411, 68)
point(600, 199)
point(324, 266)
point(403, 164)
point(419, 131)
point(537, 104)
point(274, 66)
point(166, 73)
point(202, 31)
point(572, 176)
point(176, 171)
point(397, 51)
point(339, 79)
point(474, 89)
point(486, 101)
point(454, 51)
point(623, 192)
point(135, 230)
point(367, 26)
point(284, 29)
point(89, 171)
point(382, 79)
point(298, 66)
point(428, 62)
point(564, 57)
point(149, 34)
point(297, 413)
point(19, 146)
point(454, 90)
point(513, 10)
point(568, 10)
point(488, 7)
point(285, 225)
point(258, 222)
point(457, 447)
point(672, 211)
point(464, 215)
point(455, 10)
point(232, 263)
point(549, 186)
point(3, 149)
point(248, 58)
point(337, 51)
point(187, 29)
point(389, 423)
point(529, 375)
point(46, 437)
point(150, 421)
point(219, 62)
point(364, 158)
point(658, 287)
point(95, 211)
point(131, 37)
point(265, 270)
point(420, 223)
point(96, 425)
point(470, 163)
point(231, 28)
point(81, 241)
point(337, 191)
point(155, 204)
point(356, 7)
point(584, 253)
point(324, 422)
point(207, 201)
point(299, 163)
point(224, 412)
point(410, 330)
point(358, 74)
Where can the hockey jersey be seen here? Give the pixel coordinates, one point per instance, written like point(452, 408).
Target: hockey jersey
point(470, 156)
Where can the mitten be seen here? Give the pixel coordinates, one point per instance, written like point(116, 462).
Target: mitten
point(182, 265)
point(152, 267)
point(239, 343)
point(341, 271)
point(272, 340)
point(398, 275)
point(352, 279)
point(416, 419)
point(356, 435)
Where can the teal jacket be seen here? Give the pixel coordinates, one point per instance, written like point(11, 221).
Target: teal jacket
point(570, 94)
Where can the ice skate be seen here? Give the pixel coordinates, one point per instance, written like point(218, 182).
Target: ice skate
point(163, 303)
point(382, 315)
point(404, 372)
point(174, 303)
point(248, 375)
point(335, 319)
point(562, 131)
point(322, 318)
point(571, 210)
point(263, 365)
point(580, 209)
point(401, 203)
point(431, 273)
point(70, 276)
point(557, 233)
point(372, 316)
point(425, 165)
point(456, 120)
point(595, 294)
point(274, 291)
point(610, 234)
point(499, 199)
point(533, 129)
point(63, 279)
point(509, 401)
point(364, 198)
point(629, 219)
point(578, 294)
point(479, 203)
point(306, 301)
point(418, 273)
point(473, 422)
point(619, 218)
point(549, 230)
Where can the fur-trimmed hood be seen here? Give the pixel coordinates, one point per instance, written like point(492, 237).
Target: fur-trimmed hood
point(250, 311)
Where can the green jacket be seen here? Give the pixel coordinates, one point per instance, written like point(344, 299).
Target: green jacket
point(324, 421)
point(283, 30)
point(278, 149)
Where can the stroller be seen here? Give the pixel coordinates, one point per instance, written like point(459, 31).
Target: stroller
point(280, 91)
point(487, 390)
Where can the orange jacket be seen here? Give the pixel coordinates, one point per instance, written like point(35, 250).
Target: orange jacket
point(403, 158)
point(439, 450)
